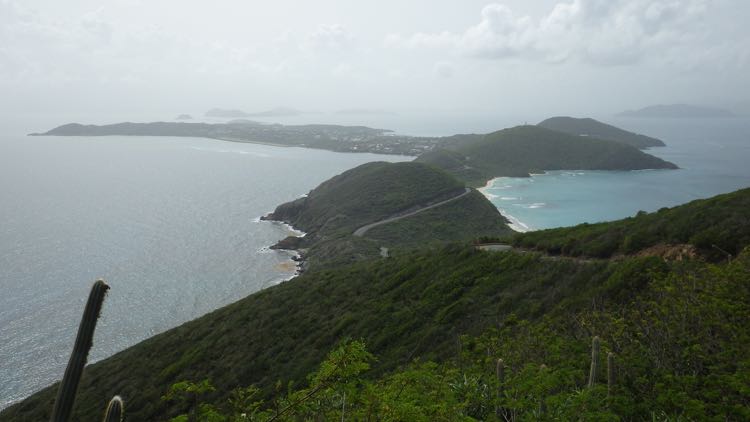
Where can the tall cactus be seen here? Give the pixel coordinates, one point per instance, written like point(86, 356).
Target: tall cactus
point(114, 410)
point(66, 393)
point(595, 343)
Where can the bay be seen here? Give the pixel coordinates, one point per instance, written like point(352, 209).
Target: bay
point(713, 156)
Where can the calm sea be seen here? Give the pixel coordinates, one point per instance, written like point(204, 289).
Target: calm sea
point(170, 223)
point(713, 155)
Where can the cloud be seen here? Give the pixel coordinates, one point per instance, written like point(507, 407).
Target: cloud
point(328, 39)
point(603, 32)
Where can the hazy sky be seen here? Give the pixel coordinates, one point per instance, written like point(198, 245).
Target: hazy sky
point(512, 56)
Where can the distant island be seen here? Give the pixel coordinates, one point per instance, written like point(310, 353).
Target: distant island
point(184, 117)
point(597, 129)
point(237, 114)
point(678, 111)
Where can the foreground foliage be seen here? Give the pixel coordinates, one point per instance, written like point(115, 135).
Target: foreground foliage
point(676, 352)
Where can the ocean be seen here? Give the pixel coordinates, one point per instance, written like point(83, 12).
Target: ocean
point(172, 223)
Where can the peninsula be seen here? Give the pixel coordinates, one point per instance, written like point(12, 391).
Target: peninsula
point(522, 150)
point(408, 205)
point(330, 137)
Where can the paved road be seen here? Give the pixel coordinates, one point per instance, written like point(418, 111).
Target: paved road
point(495, 247)
point(362, 230)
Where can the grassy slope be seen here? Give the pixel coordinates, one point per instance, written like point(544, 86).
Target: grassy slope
point(465, 219)
point(521, 150)
point(723, 220)
point(403, 307)
point(591, 127)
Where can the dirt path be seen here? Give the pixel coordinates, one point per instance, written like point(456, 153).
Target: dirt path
point(362, 230)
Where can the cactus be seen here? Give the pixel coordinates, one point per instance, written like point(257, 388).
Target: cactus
point(66, 393)
point(114, 410)
point(610, 373)
point(594, 361)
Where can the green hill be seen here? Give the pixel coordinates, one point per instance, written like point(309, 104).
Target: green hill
point(677, 330)
point(364, 194)
point(522, 150)
point(597, 129)
point(711, 227)
point(333, 211)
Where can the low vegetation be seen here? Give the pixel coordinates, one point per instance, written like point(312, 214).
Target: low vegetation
point(673, 351)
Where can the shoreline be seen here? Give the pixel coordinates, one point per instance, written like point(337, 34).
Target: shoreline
point(513, 222)
point(296, 255)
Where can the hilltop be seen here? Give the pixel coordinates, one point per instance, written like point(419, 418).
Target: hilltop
point(676, 328)
point(597, 129)
point(680, 111)
point(332, 212)
point(522, 150)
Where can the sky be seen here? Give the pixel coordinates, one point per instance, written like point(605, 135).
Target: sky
point(515, 57)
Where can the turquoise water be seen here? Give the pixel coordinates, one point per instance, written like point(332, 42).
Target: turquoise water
point(713, 155)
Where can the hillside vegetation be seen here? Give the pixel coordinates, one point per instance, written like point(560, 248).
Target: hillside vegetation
point(714, 227)
point(597, 129)
point(522, 150)
point(372, 192)
point(365, 194)
point(677, 330)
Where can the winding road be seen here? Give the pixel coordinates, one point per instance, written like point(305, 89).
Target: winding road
point(362, 230)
